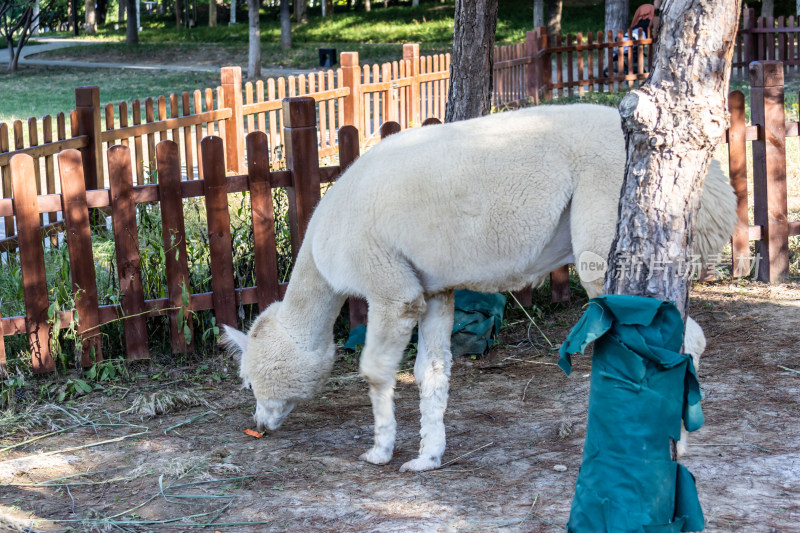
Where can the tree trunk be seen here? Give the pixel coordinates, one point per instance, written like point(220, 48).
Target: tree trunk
point(553, 18)
point(617, 14)
point(368, 5)
point(286, 26)
point(767, 8)
point(90, 24)
point(102, 11)
point(35, 29)
point(233, 12)
point(178, 13)
point(254, 54)
point(538, 13)
point(671, 124)
point(414, 3)
point(471, 64)
point(212, 13)
point(131, 30)
point(300, 10)
point(123, 7)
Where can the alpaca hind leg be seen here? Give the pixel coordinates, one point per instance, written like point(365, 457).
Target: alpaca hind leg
point(432, 372)
point(388, 333)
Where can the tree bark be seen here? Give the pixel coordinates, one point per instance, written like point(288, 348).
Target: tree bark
point(472, 59)
point(131, 31)
point(90, 23)
point(286, 26)
point(300, 10)
point(212, 13)
point(671, 125)
point(254, 54)
point(538, 13)
point(178, 13)
point(767, 8)
point(123, 7)
point(553, 18)
point(617, 14)
point(368, 5)
point(101, 11)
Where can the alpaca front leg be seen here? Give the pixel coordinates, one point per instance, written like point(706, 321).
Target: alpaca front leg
point(432, 372)
point(388, 334)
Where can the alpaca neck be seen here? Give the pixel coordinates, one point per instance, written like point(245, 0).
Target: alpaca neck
point(310, 306)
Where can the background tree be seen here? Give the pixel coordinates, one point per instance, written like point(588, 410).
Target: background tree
point(18, 19)
point(254, 51)
point(471, 61)
point(101, 11)
point(178, 14)
point(212, 13)
point(672, 124)
point(286, 26)
point(553, 18)
point(131, 28)
point(300, 7)
point(90, 18)
point(767, 8)
point(538, 13)
point(617, 14)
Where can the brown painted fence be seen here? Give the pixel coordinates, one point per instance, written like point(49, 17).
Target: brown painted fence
point(767, 39)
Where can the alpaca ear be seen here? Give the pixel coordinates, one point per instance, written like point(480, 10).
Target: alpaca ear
point(233, 341)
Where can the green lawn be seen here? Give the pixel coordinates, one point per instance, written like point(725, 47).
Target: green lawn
point(35, 92)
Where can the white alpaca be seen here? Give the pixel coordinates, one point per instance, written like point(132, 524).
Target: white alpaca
point(491, 204)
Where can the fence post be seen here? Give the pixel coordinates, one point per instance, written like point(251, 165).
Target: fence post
point(302, 160)
point(87, 111)
point(231, 78)
point(748, 23)
point(532, 49)
point(737, 164)
point(351, 74)
point(769, 169)
point(411, 54)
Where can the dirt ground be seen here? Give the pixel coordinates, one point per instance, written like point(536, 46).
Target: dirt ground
point(515, 428)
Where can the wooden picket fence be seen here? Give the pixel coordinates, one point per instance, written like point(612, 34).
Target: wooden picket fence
point(767, 39)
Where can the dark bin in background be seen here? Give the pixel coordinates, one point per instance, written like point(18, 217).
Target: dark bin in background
point(327, 57)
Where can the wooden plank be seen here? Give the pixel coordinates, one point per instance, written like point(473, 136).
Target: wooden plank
point(578, 42)
point(173, 113)
point(266, 257)
point(390, 128)
point(2, 344)
point(331, 112)
point(8, 222)
point(161, 104)
point(198, 132)
point(31, 259)
point(123, 120)
point(559, 284)
point(161, 126)
point(769, 169)
point(248, 99)
point(33, 142)
point(49, 168)
point(187, 137)
point(570, 75)
point(737, 157)
point(123, 216)
point(42, 150)
point(219, 231)
point(137, 143)
point(81, 264)
point(149, 117)
point(303, 162)
point(262, 124)
point(173, 233)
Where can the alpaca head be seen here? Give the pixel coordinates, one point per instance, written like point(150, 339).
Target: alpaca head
point(278, 371)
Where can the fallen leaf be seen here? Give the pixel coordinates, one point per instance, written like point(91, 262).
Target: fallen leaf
point(252, 433)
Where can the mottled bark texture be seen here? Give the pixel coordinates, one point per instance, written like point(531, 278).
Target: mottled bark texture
point(538, 13)
point(254, 47)
point(671, 125)
point(286, 26)
point(617, 13)
point(131, 31)
point(767, 8)
point(300, 7)
point(553, 18)
point(90, 20)
point(471, 62)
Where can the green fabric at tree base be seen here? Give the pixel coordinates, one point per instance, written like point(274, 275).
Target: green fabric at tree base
point(478, 318)
point(641, 389)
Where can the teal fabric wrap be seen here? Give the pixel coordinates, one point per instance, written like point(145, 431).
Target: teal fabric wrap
point(478, 317)
point(641, 389)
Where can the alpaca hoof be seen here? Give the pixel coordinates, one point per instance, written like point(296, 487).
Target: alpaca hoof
point(421, 464)
point(682, 446)
point(377, 456)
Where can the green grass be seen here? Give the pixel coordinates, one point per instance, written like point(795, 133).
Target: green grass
point(35, 92)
